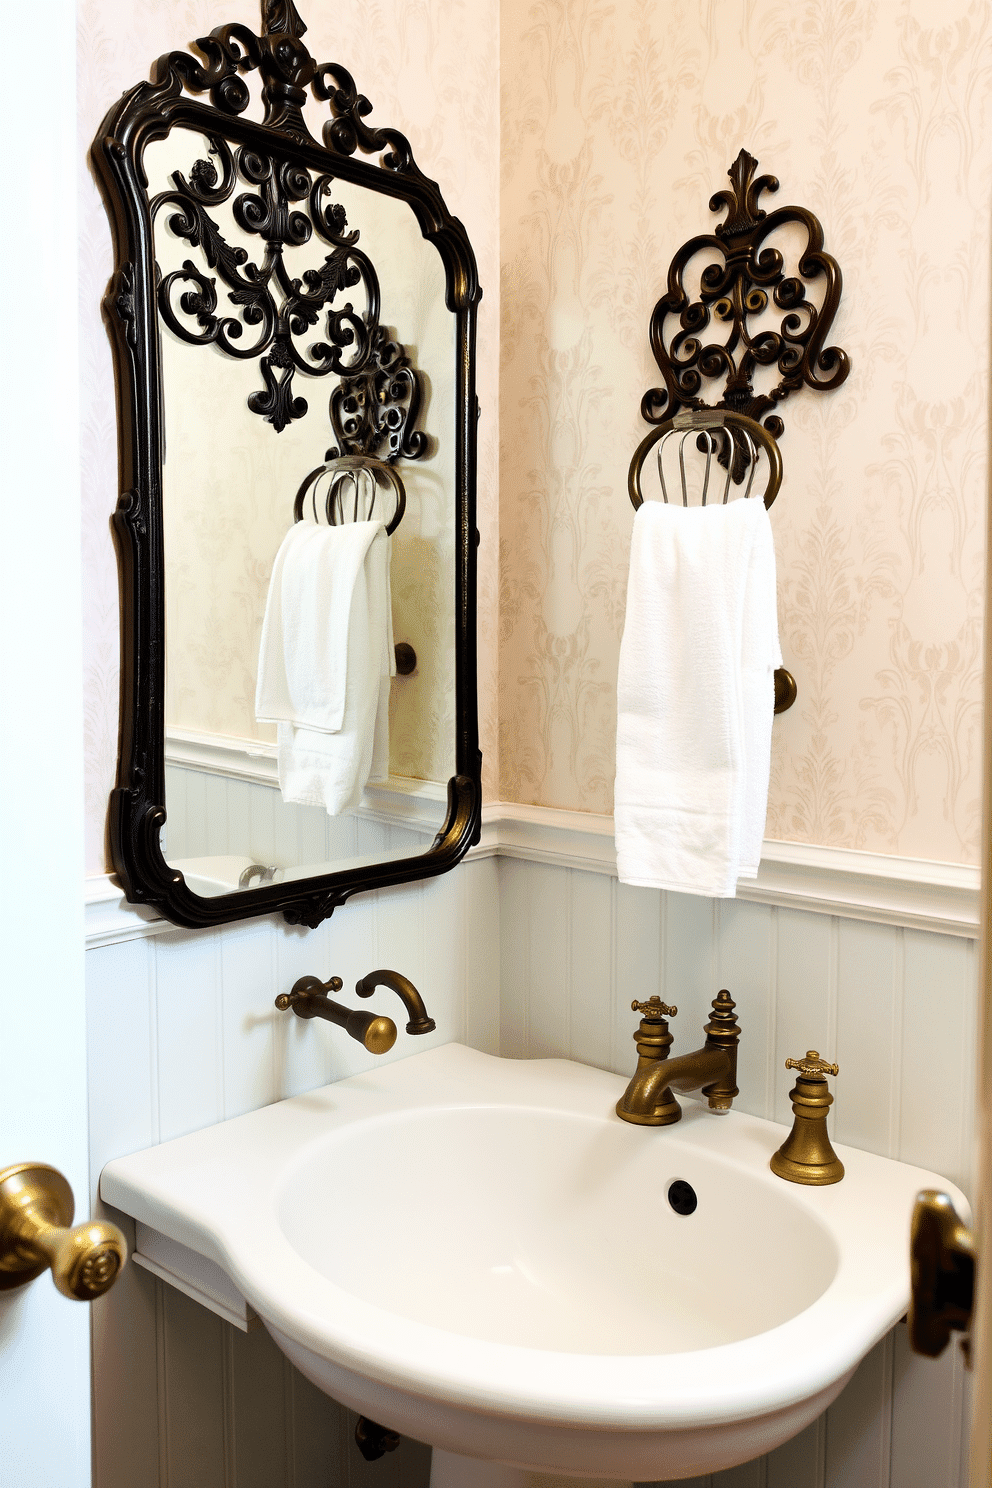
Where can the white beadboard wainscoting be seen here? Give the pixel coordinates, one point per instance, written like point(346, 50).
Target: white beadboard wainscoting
point(182, 1033)
point(533, 949)
point(895, 1007)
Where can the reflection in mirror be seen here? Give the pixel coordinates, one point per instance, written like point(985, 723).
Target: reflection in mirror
point(229, 480)
point(294, 336)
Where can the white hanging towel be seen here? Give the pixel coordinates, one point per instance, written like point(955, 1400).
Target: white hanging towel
point(695, 697)
point(325, 660)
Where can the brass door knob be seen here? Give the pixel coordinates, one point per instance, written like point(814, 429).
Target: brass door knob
point(942, 1267)
point(36, 1209)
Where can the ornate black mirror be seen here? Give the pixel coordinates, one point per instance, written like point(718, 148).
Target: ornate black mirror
point(294, 335)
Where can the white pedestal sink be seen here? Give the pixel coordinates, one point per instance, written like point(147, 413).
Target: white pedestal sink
point(479, 1254)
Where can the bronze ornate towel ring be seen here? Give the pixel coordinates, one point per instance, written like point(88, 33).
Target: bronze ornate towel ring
point(346, 470)
point(711, 425)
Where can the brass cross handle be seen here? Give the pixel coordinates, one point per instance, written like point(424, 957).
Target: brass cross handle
point(654, 1008)
point(812, 1065)
point(36, 1209)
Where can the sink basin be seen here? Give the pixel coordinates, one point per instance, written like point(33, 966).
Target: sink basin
point(479, 1254)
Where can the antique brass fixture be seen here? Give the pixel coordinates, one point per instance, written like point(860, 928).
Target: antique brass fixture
point(806, 1155)
point(942, 1266)
point(648, 1099)
point(419, 1020)
point(36, 1209)
point(308, 998)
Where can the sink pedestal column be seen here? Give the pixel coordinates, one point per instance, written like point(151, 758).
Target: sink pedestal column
point(448, 1470)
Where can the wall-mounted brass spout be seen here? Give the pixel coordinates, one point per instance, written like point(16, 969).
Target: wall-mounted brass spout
point(648, 1099)
point(308, 999)
point(419, 1021)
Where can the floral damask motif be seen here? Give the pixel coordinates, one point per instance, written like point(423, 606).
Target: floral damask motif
point(877, 117)
point(826, 595)
point(927, 706)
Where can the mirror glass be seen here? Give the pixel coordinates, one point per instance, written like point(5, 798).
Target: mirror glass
point(229, 482)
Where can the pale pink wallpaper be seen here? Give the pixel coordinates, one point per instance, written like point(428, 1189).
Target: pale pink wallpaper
point(619, 122)
point(431, 69)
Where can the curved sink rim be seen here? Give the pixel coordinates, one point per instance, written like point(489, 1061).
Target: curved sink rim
point(751, 1377)
point(748, 1378)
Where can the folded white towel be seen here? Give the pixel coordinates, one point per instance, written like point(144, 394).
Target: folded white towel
point(325, 660)
point(695, 697)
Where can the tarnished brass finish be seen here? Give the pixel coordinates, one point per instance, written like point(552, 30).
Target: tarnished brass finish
point(648, 1099)
point(373, 1440)
point(308, 999)
point(654, 1008)
point(806, 1155)
point(419, 1019)
point(942, 1268)
point(36, 1209)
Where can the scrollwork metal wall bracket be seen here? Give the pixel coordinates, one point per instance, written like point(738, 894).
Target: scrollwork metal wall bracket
point(374, 404)
point(746, 278)
point(373, 408)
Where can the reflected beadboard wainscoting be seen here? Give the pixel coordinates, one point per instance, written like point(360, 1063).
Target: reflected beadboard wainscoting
point(533, 949)
point(223, 797)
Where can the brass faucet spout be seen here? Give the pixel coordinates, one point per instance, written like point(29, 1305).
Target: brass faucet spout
point(420, 1020)
point(648, 1100)
point(644, 1099)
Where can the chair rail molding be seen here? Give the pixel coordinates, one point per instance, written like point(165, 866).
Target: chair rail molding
point(913, 892)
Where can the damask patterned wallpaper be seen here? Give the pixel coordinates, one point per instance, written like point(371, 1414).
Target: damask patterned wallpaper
point(430, 68)
point(620, 119)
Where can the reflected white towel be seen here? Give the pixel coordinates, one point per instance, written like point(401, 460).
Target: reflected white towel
point(325, 660)
point(695, 697)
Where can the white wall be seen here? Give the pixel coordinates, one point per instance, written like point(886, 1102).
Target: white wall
point(44, 1365)
point(536, 960)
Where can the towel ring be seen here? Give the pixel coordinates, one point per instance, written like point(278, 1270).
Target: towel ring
point(345, 470)
point(702, 422)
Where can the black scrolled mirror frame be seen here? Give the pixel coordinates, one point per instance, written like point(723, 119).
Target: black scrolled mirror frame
point(146, 113)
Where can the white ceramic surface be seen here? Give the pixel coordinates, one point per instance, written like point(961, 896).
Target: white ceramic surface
point(221, 873)
point(480, 1254)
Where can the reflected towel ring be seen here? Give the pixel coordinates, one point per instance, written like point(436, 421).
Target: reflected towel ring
point(702, 422)
point(347, 470)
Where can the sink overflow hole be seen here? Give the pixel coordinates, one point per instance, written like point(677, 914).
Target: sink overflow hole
point(682, 1197)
